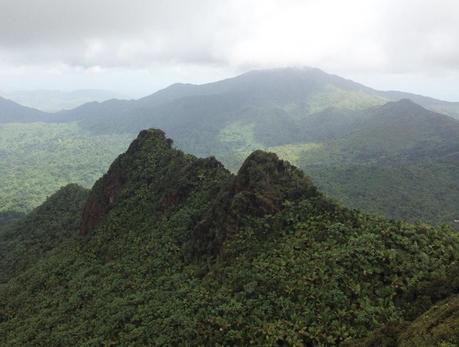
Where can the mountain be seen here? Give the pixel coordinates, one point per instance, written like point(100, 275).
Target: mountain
point(387, 157)
point(372, 150)
point(176, 250)
point(261, 109)
point(11, 112)
point(432, 318)
point(440, 106)
point(402, 159)
point(56, 220)
point(271, 95)
point(287, 93)
point(404, 130)
point(57, 100)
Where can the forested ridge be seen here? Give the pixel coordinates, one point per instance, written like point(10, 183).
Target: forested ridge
point(176, 250)
point(372, 150)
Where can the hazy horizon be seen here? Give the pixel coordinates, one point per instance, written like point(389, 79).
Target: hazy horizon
point(138, 47)
point(133, 95)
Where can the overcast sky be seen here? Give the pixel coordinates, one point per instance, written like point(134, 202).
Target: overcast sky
point(138, 46)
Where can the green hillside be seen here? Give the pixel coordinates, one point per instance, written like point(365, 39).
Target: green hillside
point(26, 241)
point(39, 158)
point(176, 250)
point(433, 318)
point(395, 159)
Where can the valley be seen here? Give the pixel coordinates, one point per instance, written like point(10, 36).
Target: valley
point(347, 137)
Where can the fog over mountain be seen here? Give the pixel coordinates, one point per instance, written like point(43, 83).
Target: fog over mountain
point(80, 44)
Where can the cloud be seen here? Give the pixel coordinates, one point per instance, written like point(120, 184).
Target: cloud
point(111, 33)
point(353, 36)
point(366, 34)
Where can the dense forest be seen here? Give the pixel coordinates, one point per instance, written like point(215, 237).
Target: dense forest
point(177, 250)
point(372, 150)
point(39, 158)
point(229, 173)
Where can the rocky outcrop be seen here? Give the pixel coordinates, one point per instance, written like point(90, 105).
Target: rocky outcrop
point(101, 200)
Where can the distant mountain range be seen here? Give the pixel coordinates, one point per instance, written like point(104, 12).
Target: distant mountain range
point(11, 112)
point(386, 152)
point(56, 100)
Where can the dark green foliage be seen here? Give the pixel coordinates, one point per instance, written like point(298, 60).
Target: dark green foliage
point(262, 186)
point(296, 269)
point(24, 242)
point(430, 317)
point(437, 327)
point(386, 336)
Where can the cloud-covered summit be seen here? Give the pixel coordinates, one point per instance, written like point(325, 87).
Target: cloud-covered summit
point(419, 38)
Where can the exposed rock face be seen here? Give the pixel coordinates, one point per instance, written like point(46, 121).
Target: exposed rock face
point(101, 202)
point(261, 187)
point(107, 189)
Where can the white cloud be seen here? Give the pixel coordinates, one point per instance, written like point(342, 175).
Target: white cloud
point(356, 37)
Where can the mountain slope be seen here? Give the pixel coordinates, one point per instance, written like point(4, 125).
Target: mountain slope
point(351, 138)
point(407, 130)
point(176, 250)
point(295, 92)
point(398, 159)
point(56, 100)
point(432, 318)
point(270, 95)
point(50, 224)
point(270, 108)
point(11, 112)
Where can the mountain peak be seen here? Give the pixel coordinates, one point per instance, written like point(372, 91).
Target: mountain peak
point(262, 186)
point(153, 173)
point(404, 104)
point(403, 109)
point(150, 137)
point(149, 144)
point(264, 173)
point(11, 111)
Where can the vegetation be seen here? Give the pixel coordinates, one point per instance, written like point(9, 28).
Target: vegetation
point(38, 158)
point(50, 224)
point(395, 159)
point(431, 319)
point(437, 327)
point(175, 250)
